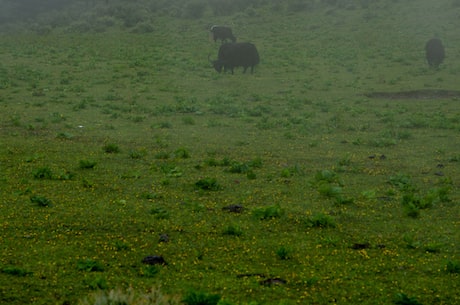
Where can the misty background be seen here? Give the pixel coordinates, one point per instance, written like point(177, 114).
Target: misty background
point(81, 16)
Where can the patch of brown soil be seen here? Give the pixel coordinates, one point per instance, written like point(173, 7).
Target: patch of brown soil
point(425, 94)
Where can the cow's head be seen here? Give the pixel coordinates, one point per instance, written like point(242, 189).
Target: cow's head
point(217, 64)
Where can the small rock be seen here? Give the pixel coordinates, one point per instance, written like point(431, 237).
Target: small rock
point(273, 281)
point(164, 238)
point(233, 208)
point(360, 246)
point(154, 260)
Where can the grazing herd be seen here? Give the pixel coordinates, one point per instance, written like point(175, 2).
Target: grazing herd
point(233, 54)
point(244, 54)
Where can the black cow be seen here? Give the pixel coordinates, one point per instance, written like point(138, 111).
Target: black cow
point(434, 51)
point(223, 33)
point(232, 55)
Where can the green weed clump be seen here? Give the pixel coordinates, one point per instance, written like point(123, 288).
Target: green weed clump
point(41, 201)
point(208, 184)
point(43, 173)
point(193, 297)
point(321, 221)
point(97, 283)
point(111, 148)
point(87, 164)
point(159, 213)
point(413, 201)
point(403, 299)
point(453, 267)
point(269, 212)
point(90, 265)
point(137, 154)
point(149, 271)
point(182, 153)
point(283, 253)
point(15, 271)
point(233, 230)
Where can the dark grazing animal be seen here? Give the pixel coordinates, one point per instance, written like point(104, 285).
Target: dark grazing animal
point(239, 54)
point(434, 51)
point(223, 33)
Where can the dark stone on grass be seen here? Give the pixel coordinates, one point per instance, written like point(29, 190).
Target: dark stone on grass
point(164, 238)
point(360, 246)
point(273, 281)
point(439, 174)
point(154, 260)
point(233, 208)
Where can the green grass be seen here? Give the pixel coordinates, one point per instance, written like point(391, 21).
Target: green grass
point(111, 139)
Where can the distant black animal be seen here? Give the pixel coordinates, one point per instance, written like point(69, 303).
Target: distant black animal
point(434, 51)
point(232, 55)
point(223, 33)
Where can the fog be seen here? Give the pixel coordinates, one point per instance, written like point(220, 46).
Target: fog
point(46, 16)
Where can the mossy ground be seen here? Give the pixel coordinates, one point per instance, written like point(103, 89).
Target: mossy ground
point(124, 126)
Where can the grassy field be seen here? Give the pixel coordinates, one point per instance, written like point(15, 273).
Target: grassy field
point(288, 186)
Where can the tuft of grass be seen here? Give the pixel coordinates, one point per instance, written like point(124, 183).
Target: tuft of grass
point(15, 271)
point(111, 148)
point(269, 212)
point(42, 173)
point(208, 184)
point(41, 201)
point(233, 230)
point(321, 221)
point(182, 153)
point(403, 299)
point(89, 265)
point(137, 153)
point(87, 164)
point(159, 213)
point(193, 297)
point(149, 271)
point(283, 253)
point(453, 267)
point(97, 283)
